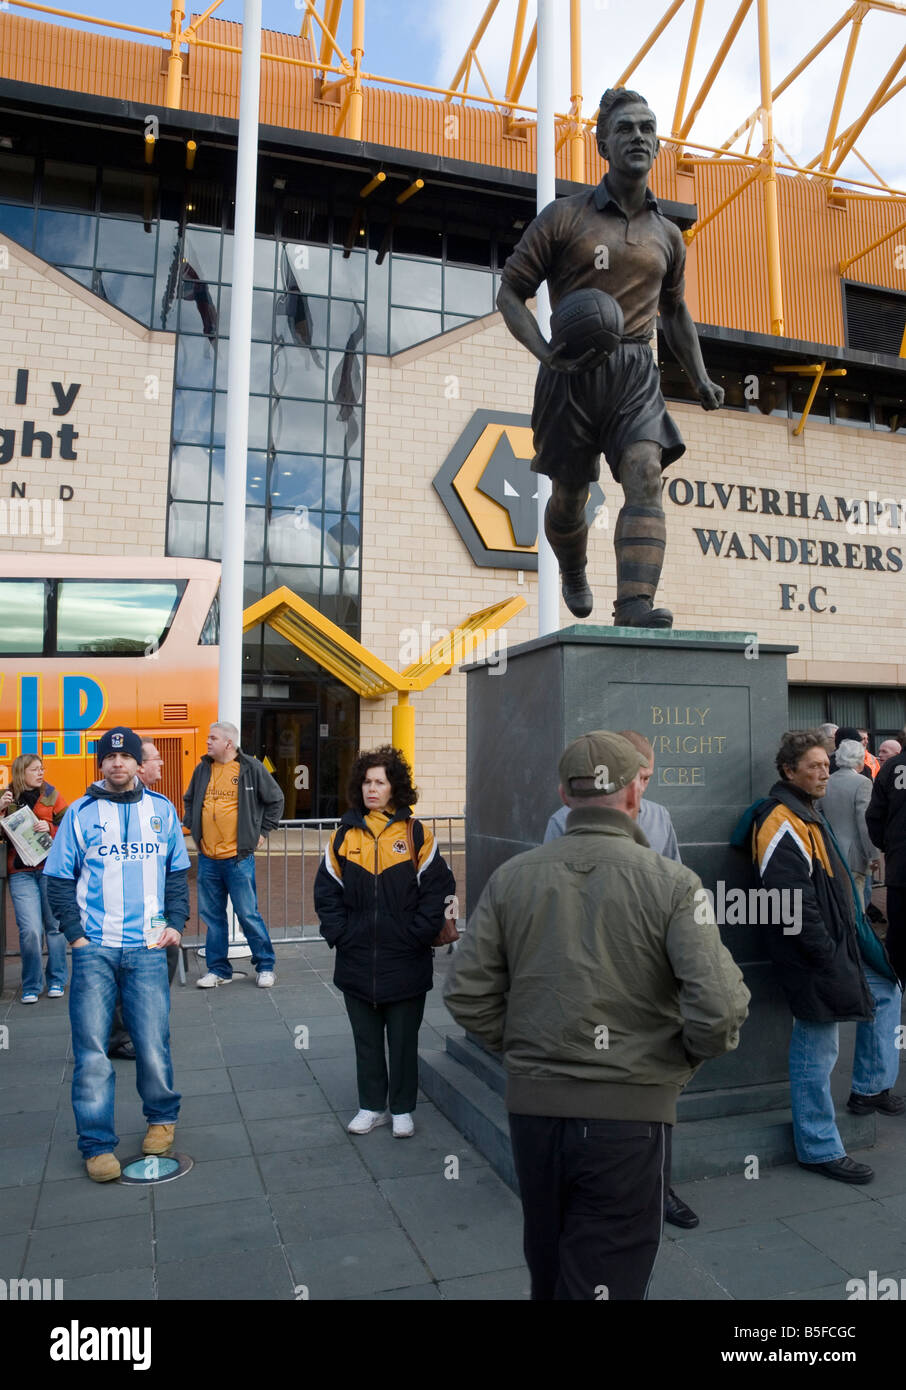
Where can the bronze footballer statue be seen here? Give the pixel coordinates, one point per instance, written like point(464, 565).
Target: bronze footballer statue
point(610, 242)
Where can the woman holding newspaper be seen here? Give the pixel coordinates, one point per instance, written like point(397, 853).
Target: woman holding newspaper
point(29, 836)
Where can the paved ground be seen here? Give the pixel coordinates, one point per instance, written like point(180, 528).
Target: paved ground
point(282, 1197)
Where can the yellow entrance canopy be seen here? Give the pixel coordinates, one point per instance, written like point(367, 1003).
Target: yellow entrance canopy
point(359, 669)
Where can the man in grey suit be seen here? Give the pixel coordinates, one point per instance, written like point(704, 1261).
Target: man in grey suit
point(844, 806)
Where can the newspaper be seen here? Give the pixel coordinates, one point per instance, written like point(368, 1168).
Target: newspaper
point(27, 836)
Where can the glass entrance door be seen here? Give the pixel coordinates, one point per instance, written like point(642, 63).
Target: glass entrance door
point(287, 738)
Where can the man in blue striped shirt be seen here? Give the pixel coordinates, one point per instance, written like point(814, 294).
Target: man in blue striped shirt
point(117, 881)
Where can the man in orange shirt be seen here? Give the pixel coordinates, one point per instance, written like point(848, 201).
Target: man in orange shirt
point(231, 805)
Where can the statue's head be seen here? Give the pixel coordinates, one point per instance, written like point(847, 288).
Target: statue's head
point(627, 131)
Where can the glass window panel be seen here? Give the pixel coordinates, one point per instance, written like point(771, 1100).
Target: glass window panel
point(411, 240)
point(18, 223)
point(194, 362)
point(347, 325)
point(198, 308)
point(852, 408)
point(305, 219)
point(17, 177)
point(306, 582)
point(348, 274)
point(467, 291)
point(202, 252)
point(65, 238)
point(260, 366)
point(806, 707)
point(378, 293)
point(187, 524)
point(771, 398)
point(468, 249)
point(343, 484)
point(263, 268)
point(115, 616)
point(192, 417)
point(408, 326)
point(129, 194)
point(258, 411)
point(344, 436)
point(820, 411)
point(22, 603)
point(263, 314)
point(734, 388)
point(342, 538)
point(298, 425)
point(299, 371)
point(888, 709)
point(455, 321)
point(417, 283)
point(131, 293)
point(296, 480)
point(890, 413)
point(68, 185)
point(254, 534)
point(675, 384)
point(84, 277)
point(848, 707)
point(300, 320)
point(189, 473)
point(304, 267)
point(294, 537)
point(166, 278)
point(255, 478)
point(343, 610)
point(346, 378)
point(125, 245)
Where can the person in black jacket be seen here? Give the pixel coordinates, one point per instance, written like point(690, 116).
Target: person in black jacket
point(832, 968)
point(886, 821)
point(382, 894)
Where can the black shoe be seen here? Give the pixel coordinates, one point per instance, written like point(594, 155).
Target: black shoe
point(874, 914)
point(124, 1052)
point(677, 1213)
point(576, 594)
point(883, 1102)
point(639, 612)
point(841, 1169)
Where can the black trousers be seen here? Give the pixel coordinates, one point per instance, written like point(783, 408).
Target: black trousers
point(895, 940)
point(402, 1022)
point(593, 1204)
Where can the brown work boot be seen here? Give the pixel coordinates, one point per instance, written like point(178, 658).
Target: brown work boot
point(159, 1139)
point(103, 1167)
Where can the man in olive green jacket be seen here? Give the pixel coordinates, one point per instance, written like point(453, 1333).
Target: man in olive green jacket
point(595, 965)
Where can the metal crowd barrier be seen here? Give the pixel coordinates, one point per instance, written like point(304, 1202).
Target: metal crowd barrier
point(286, 870)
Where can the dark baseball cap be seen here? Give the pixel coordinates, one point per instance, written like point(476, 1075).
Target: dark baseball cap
point(608, 759)
point(120, 740)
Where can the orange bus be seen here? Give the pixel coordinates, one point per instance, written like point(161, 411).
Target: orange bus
point(88, 642)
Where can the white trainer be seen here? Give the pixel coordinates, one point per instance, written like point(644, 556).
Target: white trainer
point(211, 981)
point(403, 1127)
point(265, 979)
point(367, 1120)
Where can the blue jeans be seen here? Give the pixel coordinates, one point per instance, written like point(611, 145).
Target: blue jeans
point(219, 879)
point(33, 918)
point(813, 1052)
point(139, 977)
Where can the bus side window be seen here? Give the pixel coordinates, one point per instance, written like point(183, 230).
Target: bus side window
point(210, 633)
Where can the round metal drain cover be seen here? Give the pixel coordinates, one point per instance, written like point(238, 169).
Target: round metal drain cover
point(152, 1168)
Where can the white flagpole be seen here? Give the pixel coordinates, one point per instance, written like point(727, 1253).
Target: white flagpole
point(548, 569)
point(237, 413)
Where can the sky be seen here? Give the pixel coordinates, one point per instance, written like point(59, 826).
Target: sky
point(424, 40)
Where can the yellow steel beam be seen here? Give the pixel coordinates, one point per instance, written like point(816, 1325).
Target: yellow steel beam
point(328, 37)
point(332, 11)
point(356, 96)
point(844, 265)
point(174, 62)
point(715, 67)
point(771, 212)
point(516, 49)
point(691, 45)
point(854, 34)
point(192, 29)
point(649, 43)
point(402, 728)
point(523, 72)
point(872, 171)
point(796, 71)
point(577, 135)
point(476, 40)
point(457, 647)
point(91, 19)
point(888, 96)
point(856, 130)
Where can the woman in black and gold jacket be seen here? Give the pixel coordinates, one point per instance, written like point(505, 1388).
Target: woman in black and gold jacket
point(382, 893)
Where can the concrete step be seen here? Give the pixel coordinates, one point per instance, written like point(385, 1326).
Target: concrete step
point(465, 1084)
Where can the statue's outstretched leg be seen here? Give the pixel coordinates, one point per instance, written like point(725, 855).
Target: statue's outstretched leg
point(567, 532)
point(640, 539)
